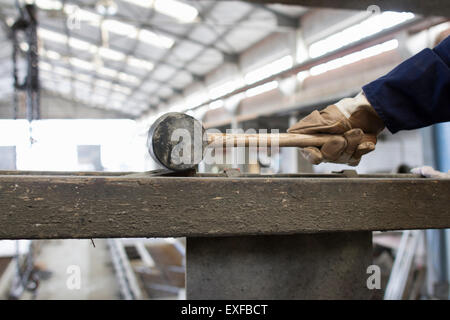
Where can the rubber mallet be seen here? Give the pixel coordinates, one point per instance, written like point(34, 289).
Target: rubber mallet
point(165, 140)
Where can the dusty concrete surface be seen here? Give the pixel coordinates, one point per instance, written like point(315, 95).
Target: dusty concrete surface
point(319, 266)
point(120, 206)
point(97, 275)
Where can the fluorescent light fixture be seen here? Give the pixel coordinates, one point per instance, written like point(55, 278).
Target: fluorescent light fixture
point(52, 55)
point(269, 69)
point(141, 3)
point(223, 89)
point(261, 89)
point(51, 35)
point(371, 26)
point(172, 8)
point(49, 4)
point(154, 39)
point(120, 28)
point(107, 72)
point(81, 14)
point(81, 64)
point(139, 63)
point(354, 57)
point(82, 45)
point(176, 9)
point(111, 54)
point(128, 78)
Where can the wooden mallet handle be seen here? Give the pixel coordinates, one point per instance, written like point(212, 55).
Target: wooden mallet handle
point(218, 140)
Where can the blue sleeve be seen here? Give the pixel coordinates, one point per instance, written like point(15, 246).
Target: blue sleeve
point(416, 93)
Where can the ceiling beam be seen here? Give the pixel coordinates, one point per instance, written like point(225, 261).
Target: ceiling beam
point(113, 47)
point(283, 20)
point(220, 38)
point(428, 8)
point(164, 58)
point(306, 65)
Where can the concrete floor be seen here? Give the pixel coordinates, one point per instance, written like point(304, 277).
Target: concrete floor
point(96, 272)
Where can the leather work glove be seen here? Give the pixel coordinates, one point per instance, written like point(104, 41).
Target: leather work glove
point(429, 172)
point(354, 119)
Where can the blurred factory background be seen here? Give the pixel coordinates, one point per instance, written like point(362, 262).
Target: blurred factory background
point(108, 68)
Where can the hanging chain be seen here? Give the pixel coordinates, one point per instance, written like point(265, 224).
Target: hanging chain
point(27, 23)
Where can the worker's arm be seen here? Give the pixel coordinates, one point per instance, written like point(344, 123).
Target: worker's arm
point(413, 95)
point(416, 93)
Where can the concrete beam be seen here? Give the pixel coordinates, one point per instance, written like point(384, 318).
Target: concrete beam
point(54, 106)
point(283, 20)
point(231, 58)
point(198, 78)
point(143, 205)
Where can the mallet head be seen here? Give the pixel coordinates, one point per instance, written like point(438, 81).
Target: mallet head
point(175, 140)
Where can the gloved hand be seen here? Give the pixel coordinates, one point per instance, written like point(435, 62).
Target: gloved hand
point(429, 172)
point(354, 119)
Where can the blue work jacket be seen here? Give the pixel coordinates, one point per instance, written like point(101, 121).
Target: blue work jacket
point(416, 93)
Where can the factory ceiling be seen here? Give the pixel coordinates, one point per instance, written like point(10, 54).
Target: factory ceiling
point(134, 56)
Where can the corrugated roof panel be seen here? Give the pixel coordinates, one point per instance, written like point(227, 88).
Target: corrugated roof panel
point(206, 34)
point(149, 86)
point(228, 12)
point(187, 50)
point(206, 62)
point(165, 92)
point(176, 66)
point(259, 25)
point(181, 79)
point(151, 52)
point(163, 72)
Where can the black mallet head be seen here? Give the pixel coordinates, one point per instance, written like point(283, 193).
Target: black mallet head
point(175, 140)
